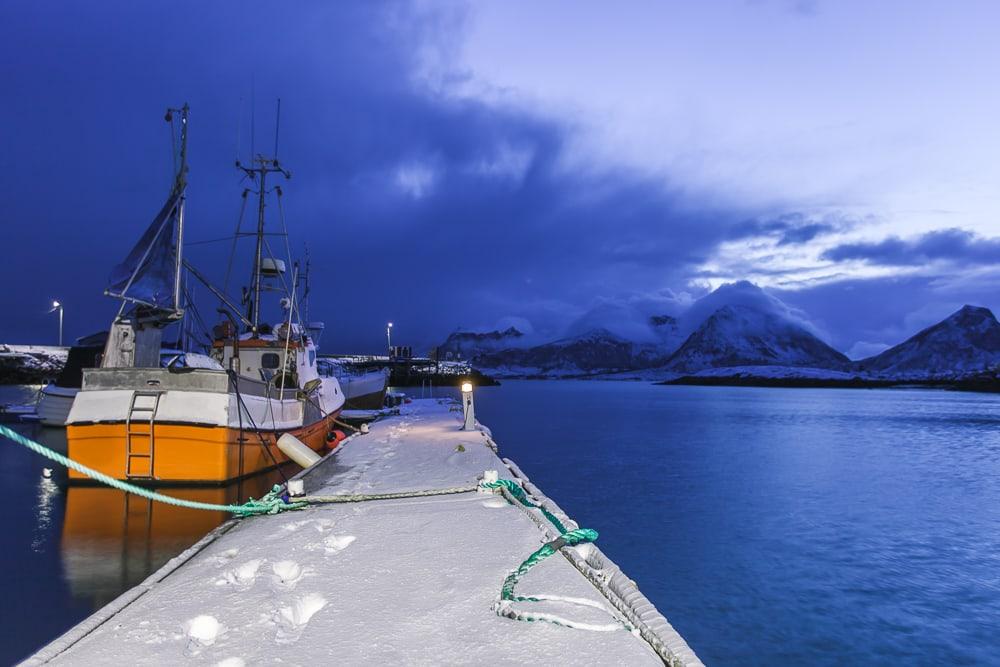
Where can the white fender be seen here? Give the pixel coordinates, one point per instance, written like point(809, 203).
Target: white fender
point(294, 449)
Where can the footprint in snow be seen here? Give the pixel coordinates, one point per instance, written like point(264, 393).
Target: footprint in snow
point(337, 543)
point(323, 525)
point(202, 631)
point(292, 619)
point(244, 575)
point(231, 662)
point(293, 526)
point(287, 573)
point(226, 556)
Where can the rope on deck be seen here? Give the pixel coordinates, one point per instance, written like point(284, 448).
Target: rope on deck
point(567, 538)
point(362, 497)
point(271, 503)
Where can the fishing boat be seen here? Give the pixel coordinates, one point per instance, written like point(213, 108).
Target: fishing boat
point(363, 389)
point(133, 419)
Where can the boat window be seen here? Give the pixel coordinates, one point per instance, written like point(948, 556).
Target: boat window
point(312, 357)
point(270, 360)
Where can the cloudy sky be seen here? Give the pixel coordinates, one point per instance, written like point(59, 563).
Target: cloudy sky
point(518, 162)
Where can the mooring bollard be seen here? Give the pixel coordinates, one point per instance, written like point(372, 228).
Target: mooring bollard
point(468, 407)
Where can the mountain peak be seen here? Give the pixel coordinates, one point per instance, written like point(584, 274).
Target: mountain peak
point(966, 341)
point(744, 335)
point(470, 344)
point(970, 314)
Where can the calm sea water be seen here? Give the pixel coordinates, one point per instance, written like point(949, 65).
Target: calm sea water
point(771, 526)
point(782, 526)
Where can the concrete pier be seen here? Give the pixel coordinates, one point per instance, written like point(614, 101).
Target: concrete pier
point(410, 580)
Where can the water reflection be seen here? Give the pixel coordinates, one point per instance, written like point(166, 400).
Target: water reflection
point(72, 549)
point(48, 492)
point(112, 540)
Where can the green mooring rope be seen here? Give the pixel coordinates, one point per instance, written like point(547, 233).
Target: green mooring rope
point(271, 503)
point(566, 538)
point(515, 490)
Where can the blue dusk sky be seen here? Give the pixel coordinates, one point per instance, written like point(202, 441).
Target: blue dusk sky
point(477, 165)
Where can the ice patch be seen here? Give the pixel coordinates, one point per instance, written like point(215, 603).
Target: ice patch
point(337, 543)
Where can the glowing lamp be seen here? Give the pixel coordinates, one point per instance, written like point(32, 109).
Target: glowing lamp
point(468, 408)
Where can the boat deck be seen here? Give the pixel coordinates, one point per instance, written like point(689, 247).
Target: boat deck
point(406, 581)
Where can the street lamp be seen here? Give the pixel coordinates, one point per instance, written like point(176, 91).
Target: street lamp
point(58, 306)
point(468, 408)
point(388, 337)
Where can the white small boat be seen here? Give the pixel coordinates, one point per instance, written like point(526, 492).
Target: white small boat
point(54, 404)
point(56, 398)
point(363, 390)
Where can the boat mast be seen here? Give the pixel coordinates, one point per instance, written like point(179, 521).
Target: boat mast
point(180, 184)
point(264, 166)
point(255, 313)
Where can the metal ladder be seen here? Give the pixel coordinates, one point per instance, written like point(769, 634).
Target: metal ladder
point(143, 403)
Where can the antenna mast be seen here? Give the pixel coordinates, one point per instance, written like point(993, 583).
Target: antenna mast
point(258, 171)
point(180, 184)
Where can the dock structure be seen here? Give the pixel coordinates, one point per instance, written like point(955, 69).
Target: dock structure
point(400, 560)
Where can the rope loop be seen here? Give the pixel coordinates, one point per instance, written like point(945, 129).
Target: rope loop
point(567, 538)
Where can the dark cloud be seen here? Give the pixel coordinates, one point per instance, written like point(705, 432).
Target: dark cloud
point(955, 245)
point(423, 208)
point(790, 228)
point(418, 207)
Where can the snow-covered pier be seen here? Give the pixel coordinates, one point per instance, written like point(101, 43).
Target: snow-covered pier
point(414, 579)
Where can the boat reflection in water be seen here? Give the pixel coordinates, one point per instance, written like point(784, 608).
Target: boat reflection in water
point(112, 541)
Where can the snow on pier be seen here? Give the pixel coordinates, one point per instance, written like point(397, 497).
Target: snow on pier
point(409, 580)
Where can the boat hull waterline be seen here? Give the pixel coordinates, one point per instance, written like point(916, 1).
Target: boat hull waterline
point(188, 453)
point(191, 425)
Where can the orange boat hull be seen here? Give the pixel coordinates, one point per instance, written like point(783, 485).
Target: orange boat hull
point(185, 453)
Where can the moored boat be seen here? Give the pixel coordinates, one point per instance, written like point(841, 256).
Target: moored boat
point(363, 390)
point(133, 419)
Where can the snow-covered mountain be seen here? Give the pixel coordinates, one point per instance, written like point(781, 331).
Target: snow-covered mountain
point(966, 342)
point(470, 345)
point(742, 335)
point(730, 332)
point(737, 324)
point(597, 351)
point(668, 330)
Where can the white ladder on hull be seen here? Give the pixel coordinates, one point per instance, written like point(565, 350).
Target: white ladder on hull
point(143, 406)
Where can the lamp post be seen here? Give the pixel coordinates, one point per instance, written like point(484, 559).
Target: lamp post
point(468, 407)
point(58, 306)
point(388, 337)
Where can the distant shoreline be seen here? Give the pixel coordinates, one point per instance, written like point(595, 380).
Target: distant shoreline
point(988, 385)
